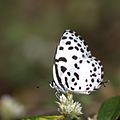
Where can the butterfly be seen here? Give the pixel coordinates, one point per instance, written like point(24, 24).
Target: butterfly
point(75, 70)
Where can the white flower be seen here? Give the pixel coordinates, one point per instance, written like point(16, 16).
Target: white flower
point(67, 106)
point(10, 108)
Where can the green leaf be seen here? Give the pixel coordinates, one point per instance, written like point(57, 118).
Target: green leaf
point(59, 117)
point(110, 109)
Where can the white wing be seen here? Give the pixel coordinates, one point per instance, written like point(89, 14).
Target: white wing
point(71, 69)
point(70, 48)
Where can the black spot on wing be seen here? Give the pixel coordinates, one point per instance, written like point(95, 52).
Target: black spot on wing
point(63, 69)
point(88, 61)
point(76, 48)
point(79, 45)
point(68, 43)
point(72, 88)
point(64, 37)
point(87, 88)
point(91, 71)
point(94, 75)
point(86, 80)
point(61, 48)
point(90, 85)
point(82, 50)
point(75, 40)
point(74, 57)
point(95, 69)
point(73, 79)
point(61, 59)
point(92, 80)
point(83, 55)
point(98, 81)
point(80, 61)
point(66, 82)
point(76, 66)
point(76, 75)
point(71, 38)
point(93, 64)
point(75, 83)
point(68, 73)
point(70, 48)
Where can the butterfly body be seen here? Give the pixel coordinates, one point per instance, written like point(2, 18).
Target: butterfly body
point(75, 69)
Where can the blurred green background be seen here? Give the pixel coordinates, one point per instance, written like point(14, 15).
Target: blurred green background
point(29, 32)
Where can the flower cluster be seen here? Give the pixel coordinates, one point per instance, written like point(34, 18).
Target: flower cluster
point(68, 107)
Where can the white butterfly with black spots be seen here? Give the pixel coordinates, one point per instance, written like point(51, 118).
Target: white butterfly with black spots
point(75, 69)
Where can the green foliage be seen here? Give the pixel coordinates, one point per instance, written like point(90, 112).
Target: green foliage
point(60, 117)
point(110, 109)
point(54, 117)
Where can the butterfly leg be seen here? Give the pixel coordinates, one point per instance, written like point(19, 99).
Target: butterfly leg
point(104, 82)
